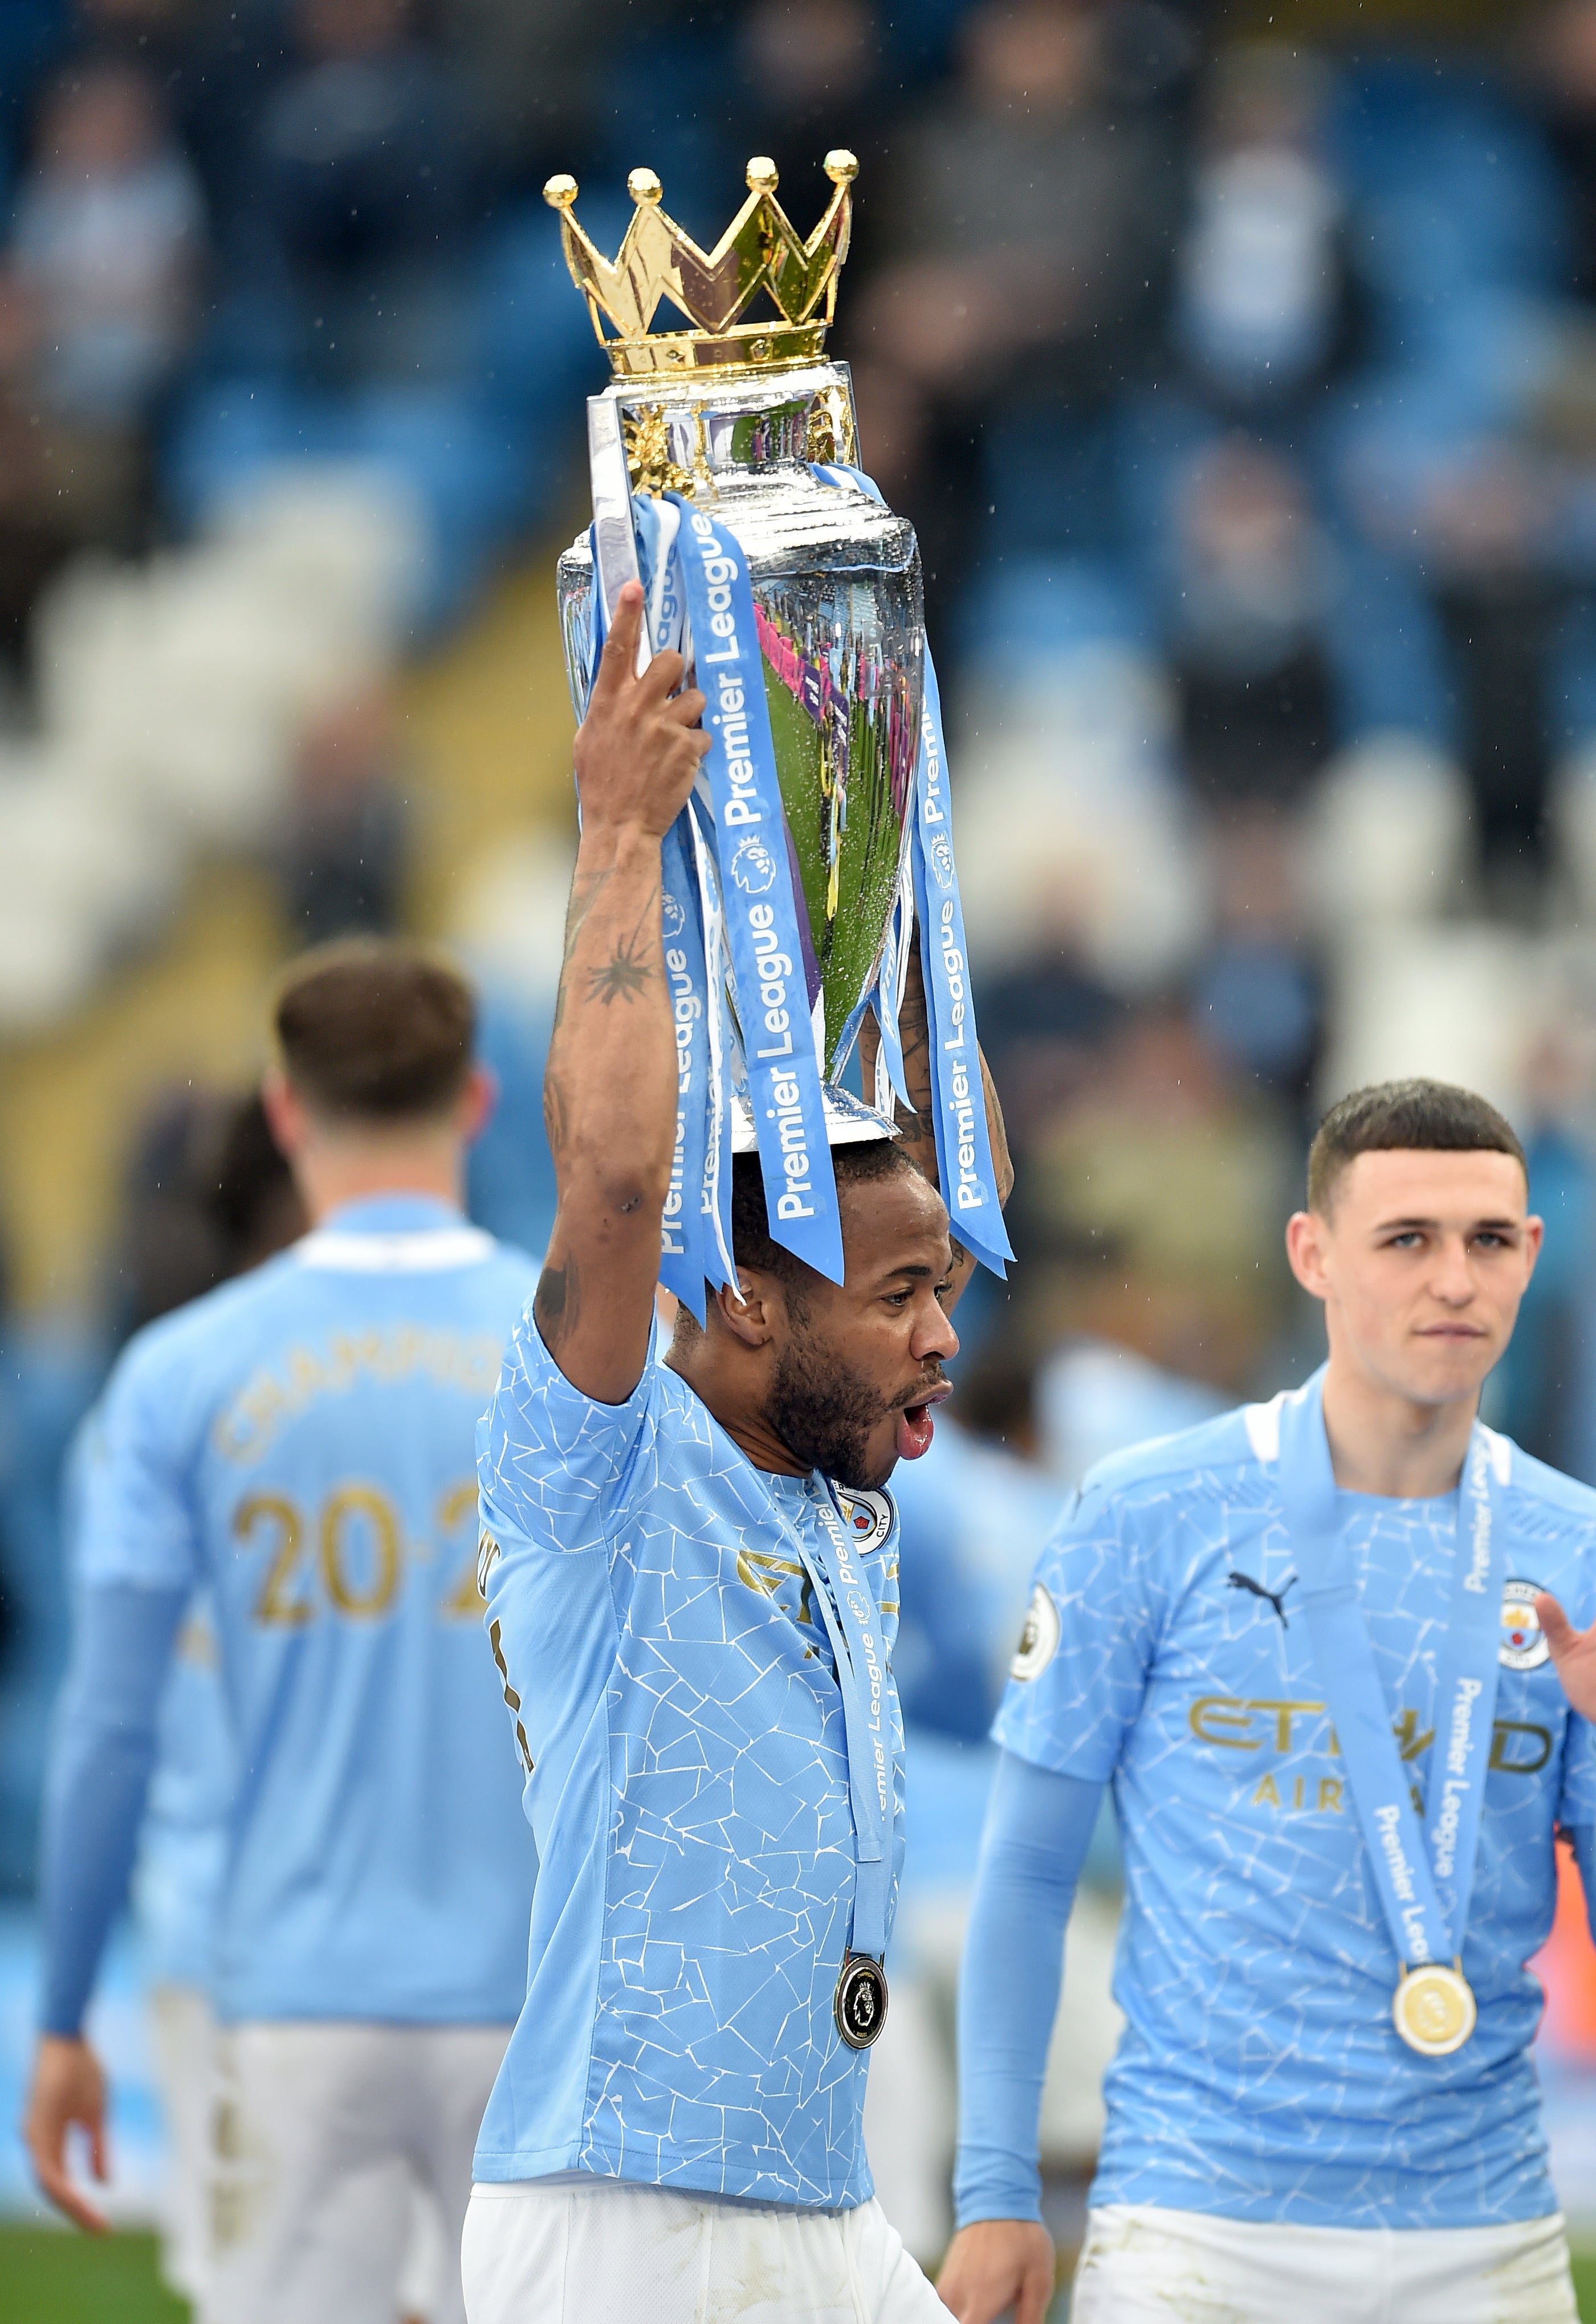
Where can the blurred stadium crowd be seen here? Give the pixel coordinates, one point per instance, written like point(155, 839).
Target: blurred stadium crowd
point(1242, 388)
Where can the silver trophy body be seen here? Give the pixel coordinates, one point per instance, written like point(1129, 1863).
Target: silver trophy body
point(835, 578)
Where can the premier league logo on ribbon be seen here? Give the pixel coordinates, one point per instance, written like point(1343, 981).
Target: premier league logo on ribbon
point(723, 478)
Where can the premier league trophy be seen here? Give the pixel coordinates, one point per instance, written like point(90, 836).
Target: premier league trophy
point(725, 479)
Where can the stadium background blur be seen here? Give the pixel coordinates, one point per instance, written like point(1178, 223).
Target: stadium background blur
point(1237, 368)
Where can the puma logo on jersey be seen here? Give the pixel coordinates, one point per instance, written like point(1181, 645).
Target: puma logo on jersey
point(1275, 1597)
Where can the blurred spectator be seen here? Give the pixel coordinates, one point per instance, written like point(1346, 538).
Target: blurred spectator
point(1544, 1391)
point(1151, 1213)
point(1248, 585)
point(207, 1196)
point(109, 233)
point(62, 486)
point(1263, 306)
point(1561, 56)
point(1044, 1024)
point(363, 186)
point(1258, 996)
point(343, 851)
point(1029, 212)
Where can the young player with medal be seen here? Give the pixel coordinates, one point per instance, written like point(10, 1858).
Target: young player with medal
point(1302, 1643)
point(690, 1568)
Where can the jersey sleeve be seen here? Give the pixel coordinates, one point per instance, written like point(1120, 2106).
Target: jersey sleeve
point(1076, 1684)
point(134, 1516)
point(1576, 1805)
point(551, 1462)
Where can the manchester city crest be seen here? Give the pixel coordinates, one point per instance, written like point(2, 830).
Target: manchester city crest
point(868, 1517)
point(1038, 1637)
point(1524, 1642)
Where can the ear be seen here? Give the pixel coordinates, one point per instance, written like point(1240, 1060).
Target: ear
point(749, 1318)
point(1535, 1235)
point(1305, 1248)
point(285, 1113)
point(477, 1103)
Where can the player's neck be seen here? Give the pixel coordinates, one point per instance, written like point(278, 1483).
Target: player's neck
point(355, 1170)
point(1383, 1442)
point(720, 1388)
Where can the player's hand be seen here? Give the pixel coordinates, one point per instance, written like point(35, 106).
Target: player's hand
point(995, 2266)
point(1574, 1652)
point(68, 2088)
point(639, 747)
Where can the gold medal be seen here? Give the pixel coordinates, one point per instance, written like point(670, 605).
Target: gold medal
point(1434, 2010)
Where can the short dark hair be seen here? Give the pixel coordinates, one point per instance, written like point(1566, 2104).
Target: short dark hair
point(373, 1030)
point(752, 1243)
point(1430, 1117)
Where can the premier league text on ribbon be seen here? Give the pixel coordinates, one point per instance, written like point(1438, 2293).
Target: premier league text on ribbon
point(760, 909)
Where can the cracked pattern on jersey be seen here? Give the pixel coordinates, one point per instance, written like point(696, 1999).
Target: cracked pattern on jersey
point(689, 1793)
point(1259, 2075)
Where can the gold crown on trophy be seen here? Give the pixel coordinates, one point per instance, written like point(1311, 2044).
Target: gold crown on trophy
point(761, 250)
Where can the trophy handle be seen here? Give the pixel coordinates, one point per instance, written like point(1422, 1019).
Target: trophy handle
point(614, 545)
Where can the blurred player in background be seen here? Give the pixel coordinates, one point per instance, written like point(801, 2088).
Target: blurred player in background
point(1302, 1641)
point(973, 1514)
point(299, 1442)
point(240, 1184)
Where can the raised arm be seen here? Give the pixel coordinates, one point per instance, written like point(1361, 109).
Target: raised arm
point(609, 1093)
point(917, 1127)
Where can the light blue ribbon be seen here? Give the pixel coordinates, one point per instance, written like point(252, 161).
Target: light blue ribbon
point(757, 897)
point(853, 1624)
point(1425, 1874)
point(964, 1166)
point(683, 1256)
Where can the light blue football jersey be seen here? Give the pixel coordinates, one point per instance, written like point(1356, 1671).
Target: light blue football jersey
point(300, 1442)
point(183, 1859)
point(182, 1848)
point(1259, 2075)
point(676, 1705)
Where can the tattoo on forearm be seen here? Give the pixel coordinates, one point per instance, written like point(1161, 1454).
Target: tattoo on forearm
point(623, 974)
point(629, 968)
point(585, 892)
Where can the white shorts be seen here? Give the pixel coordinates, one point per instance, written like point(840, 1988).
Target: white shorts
point(183, 2054)
point(606, 2251)
point(323, 2131)
point(1144, 2265)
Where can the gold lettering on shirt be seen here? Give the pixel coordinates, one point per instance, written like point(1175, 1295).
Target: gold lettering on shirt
point(246, 1427)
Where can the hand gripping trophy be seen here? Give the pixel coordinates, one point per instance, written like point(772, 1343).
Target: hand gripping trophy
point(724, 478)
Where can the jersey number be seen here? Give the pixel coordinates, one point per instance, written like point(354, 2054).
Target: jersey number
point(360, 1553)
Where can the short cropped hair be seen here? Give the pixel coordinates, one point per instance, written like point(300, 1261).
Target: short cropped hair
point(752, 1243)
point(1431, 1117)
point(370, 1029)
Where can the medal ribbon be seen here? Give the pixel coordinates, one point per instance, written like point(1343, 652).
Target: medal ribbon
point(760, 910)
point(1423, 1878)
point(853, 1621)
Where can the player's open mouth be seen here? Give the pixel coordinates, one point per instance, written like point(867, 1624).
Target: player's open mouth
point(916, 1427)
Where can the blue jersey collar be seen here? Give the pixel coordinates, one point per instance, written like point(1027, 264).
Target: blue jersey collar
point(379, 1214)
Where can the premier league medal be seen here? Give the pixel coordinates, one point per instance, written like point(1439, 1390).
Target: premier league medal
point(860, 2004)
point(1433, 2009)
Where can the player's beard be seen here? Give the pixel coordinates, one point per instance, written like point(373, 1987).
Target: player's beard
point(824, 1411)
